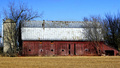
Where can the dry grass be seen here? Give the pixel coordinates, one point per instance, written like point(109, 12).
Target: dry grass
point(61, 62)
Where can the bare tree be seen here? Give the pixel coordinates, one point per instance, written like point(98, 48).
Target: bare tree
point(19, 14)
point(112, 30)
point(1, 28)
point(94, 32)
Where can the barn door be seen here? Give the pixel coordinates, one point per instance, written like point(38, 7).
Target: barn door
point(74, 49)
point(40, 51)
point(61, 49)
point(70, 49)
point(30, 49)
point(78, 49)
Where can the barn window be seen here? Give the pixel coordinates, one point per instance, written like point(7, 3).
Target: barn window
point(51, 42)
point(41, 50)
point(86, 49)
point(99, 51)
point(51, 49)
point(40, 42)
point(69, 46)
point(29, 49)
point(62, 49)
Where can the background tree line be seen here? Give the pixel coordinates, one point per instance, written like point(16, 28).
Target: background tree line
point(110, 25)
point(19, 13)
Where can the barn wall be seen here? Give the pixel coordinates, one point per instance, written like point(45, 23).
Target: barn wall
point(104, 47)
point(55, 34)
point(61, 48)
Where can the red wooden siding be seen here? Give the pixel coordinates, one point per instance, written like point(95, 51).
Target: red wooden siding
point(62, 48)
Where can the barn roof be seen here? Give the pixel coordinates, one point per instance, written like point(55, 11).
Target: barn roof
point(55, 30)
point(55, 24)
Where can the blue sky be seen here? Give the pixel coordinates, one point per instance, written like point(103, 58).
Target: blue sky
point(68, 10)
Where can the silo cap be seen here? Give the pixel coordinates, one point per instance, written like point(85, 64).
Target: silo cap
point(9, 21)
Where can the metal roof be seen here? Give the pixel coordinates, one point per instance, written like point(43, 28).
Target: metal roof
point(55, 24)
point(55, 30)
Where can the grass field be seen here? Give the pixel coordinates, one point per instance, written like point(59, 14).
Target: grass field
point(61, 62)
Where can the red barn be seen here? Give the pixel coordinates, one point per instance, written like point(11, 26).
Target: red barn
point(61, 38)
